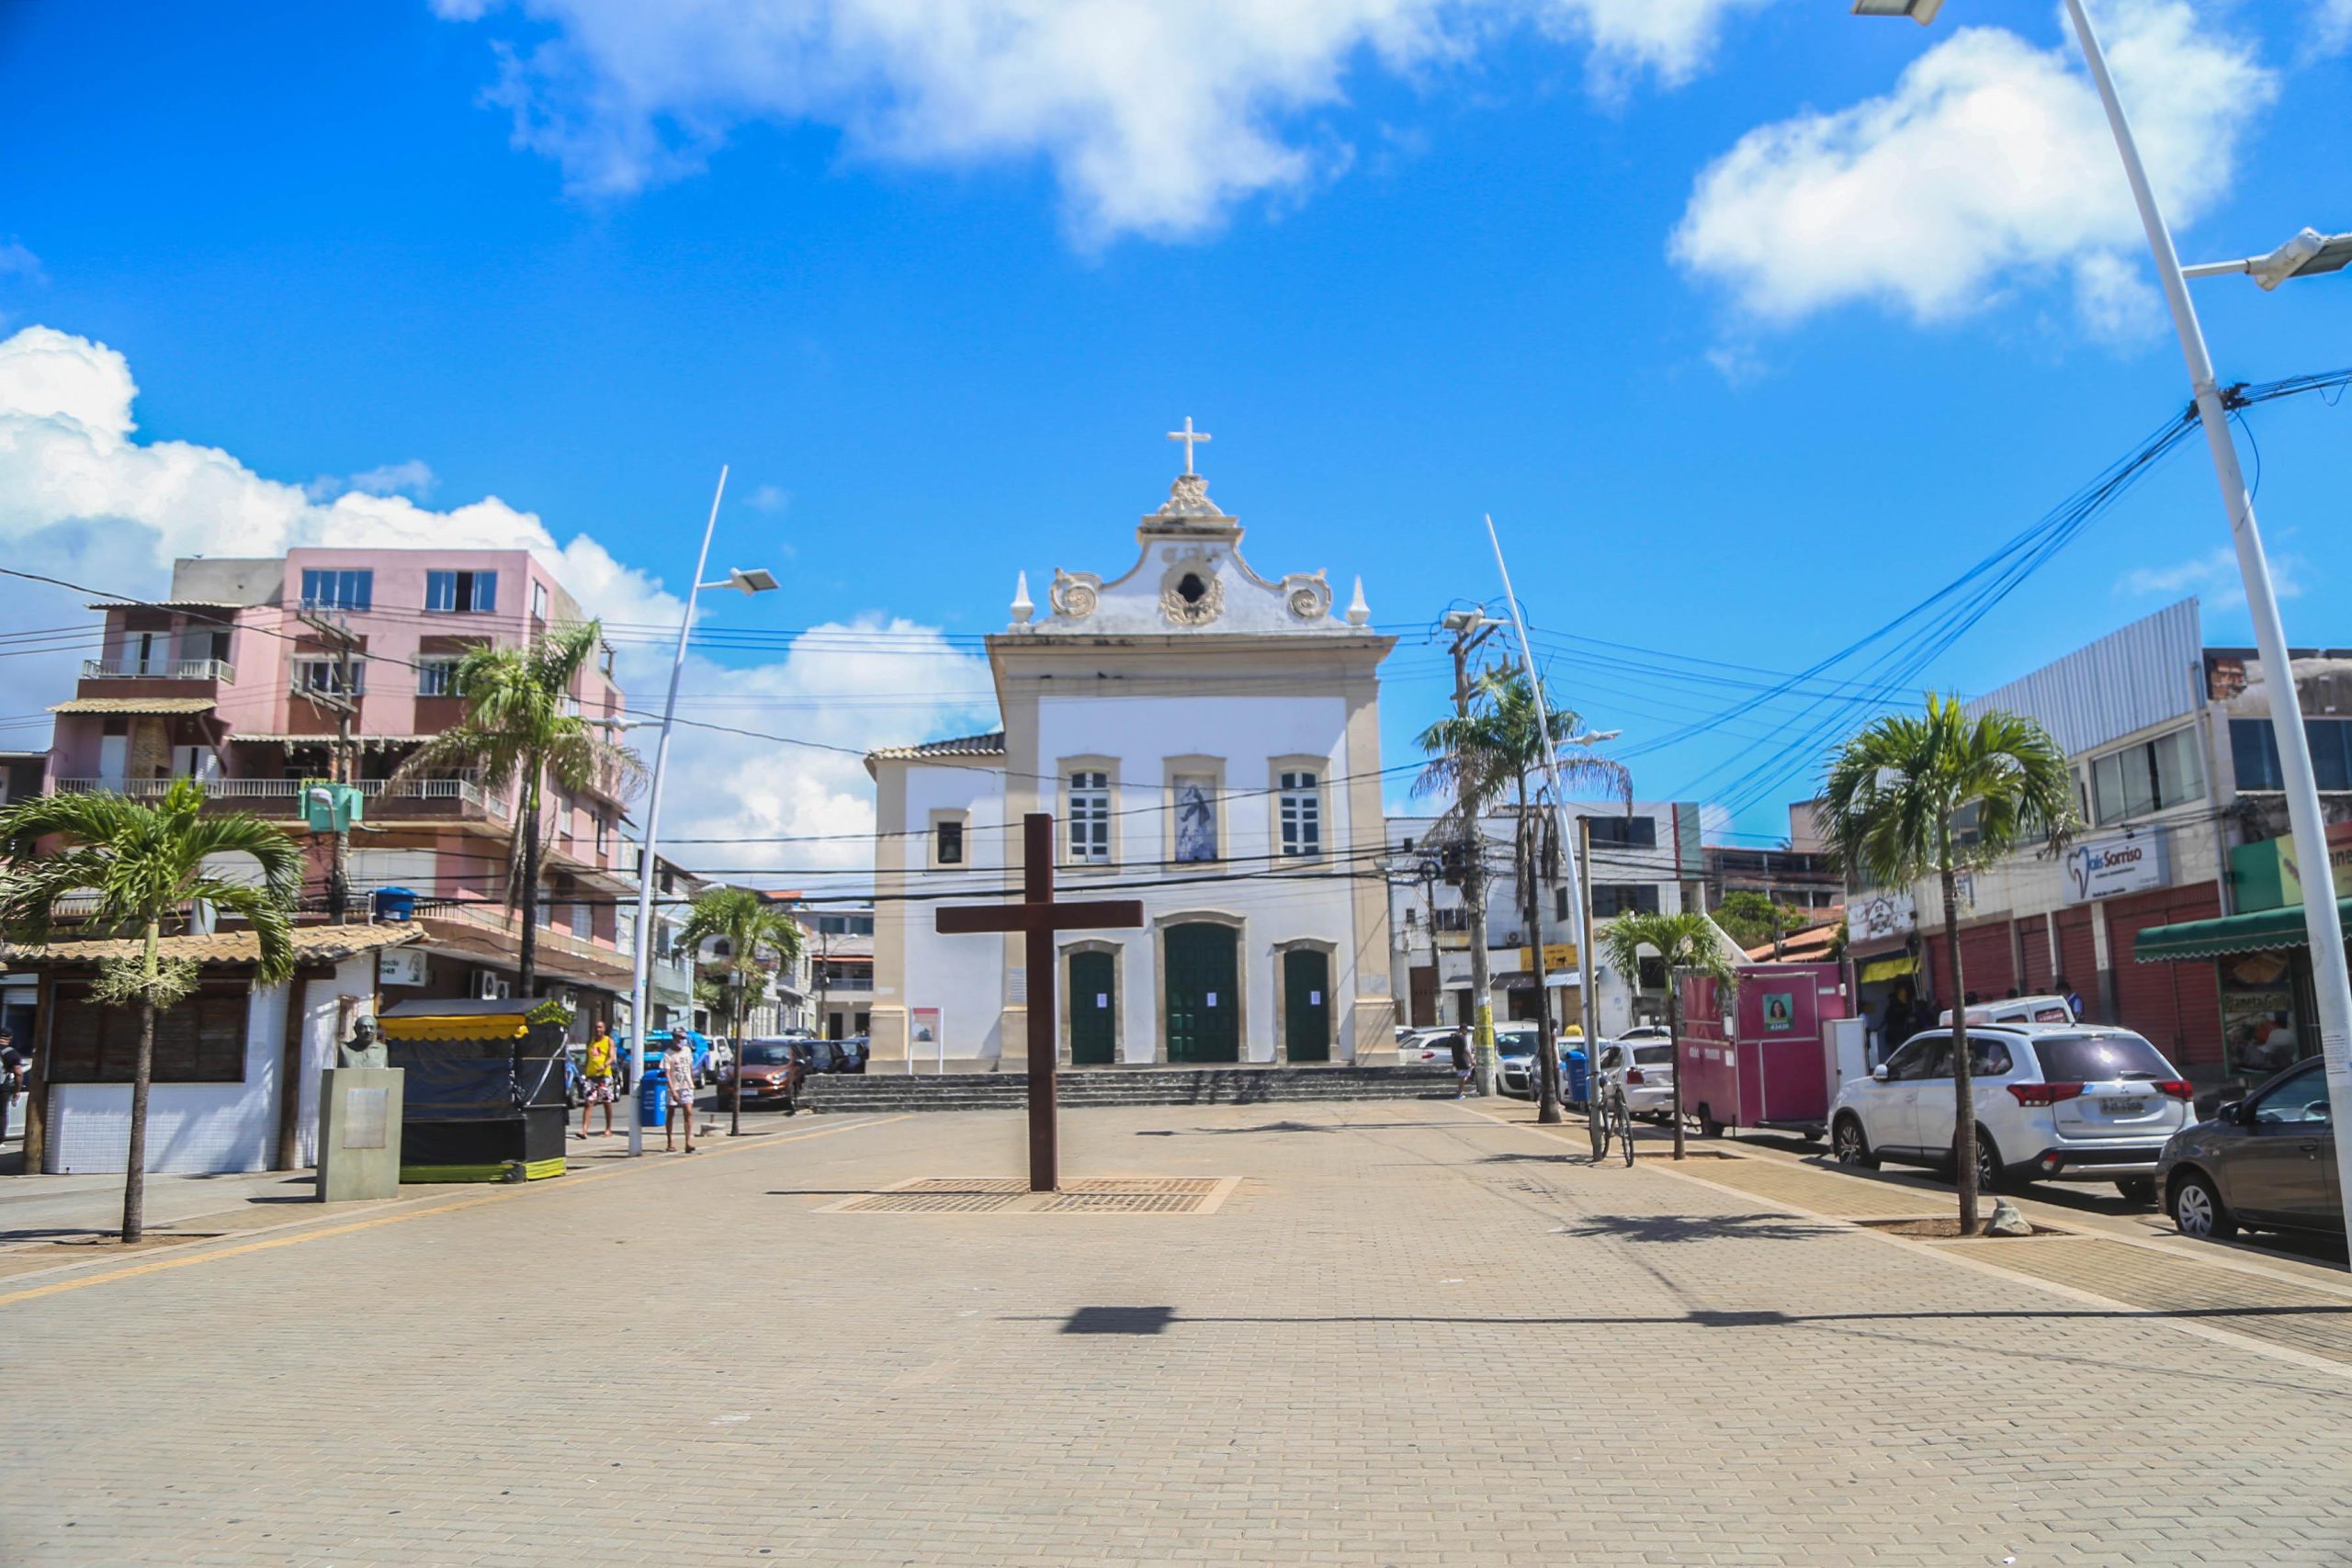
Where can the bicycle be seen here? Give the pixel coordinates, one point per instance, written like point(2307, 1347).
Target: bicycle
point(1614, 1121)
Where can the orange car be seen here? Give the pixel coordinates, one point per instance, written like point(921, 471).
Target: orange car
point(771, 1072)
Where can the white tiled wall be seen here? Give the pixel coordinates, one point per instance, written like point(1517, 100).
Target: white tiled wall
point(210, 1127)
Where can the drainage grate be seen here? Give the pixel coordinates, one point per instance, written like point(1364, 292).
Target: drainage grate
point(1009, 1195)
point(953, 1201)
point(1121, 1203)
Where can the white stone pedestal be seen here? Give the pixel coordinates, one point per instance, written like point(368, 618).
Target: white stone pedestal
point(359, 1133)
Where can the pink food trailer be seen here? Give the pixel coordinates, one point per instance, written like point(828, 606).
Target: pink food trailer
point(1769, 1055)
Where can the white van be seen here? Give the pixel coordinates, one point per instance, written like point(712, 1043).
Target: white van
point(2017, 1010)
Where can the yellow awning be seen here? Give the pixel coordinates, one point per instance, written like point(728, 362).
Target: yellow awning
point(479, 1026)
point(1890, 968)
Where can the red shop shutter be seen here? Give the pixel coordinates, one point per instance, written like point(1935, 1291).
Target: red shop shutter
point(1984, 956)
point(2078, 958)
point(2033, 942)
point(2177, 1006)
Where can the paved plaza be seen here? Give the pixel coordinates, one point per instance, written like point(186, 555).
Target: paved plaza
point(1404, 1333)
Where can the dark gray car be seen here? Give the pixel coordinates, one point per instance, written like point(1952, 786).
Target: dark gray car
point(2267, 1162)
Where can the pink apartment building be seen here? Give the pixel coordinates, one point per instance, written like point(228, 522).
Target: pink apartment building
point(234, 680)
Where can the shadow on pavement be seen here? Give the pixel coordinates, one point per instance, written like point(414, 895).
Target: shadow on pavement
point(1699, 1227)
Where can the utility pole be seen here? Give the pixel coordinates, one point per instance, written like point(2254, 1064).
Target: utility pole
point(1587, 1003)
point(1471, 629)
point(343, 700)
point(1547, 1042)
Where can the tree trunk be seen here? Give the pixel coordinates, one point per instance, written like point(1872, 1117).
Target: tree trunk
point(1482, 1006)
point(1963, 1088)
point(143, 1073)
point(1547, 1045)
point(1674, 1037)
point(527, 902)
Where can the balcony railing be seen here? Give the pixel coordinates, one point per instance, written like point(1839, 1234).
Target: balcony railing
point(219, 670)
point(289, 790)
point(498, 921)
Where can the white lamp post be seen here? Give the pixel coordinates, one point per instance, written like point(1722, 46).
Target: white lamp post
point(2306, 255)
point(755, 580)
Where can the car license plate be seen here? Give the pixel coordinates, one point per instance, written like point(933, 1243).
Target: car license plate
point(2125, 1107)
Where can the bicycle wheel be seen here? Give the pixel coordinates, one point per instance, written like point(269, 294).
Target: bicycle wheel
point(1601, 1137)
point(1625, 1129)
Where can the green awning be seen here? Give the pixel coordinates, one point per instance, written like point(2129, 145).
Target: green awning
point(2264, 929)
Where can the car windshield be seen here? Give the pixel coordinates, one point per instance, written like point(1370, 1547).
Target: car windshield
point(758, 1056)
point(2099, 1058)
point(1653, 1056)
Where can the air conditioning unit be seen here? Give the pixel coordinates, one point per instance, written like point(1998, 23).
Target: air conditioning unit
point(490, 988)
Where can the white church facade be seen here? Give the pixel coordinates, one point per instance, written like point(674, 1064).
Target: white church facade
point(1207, 741)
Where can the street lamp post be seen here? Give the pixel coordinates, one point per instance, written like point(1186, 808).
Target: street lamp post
point(752, 581)
point(2308, 253)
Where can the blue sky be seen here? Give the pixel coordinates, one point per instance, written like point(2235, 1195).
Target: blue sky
point(1752, 323)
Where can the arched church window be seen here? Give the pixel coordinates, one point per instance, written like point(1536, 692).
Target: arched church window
point(1190, 589)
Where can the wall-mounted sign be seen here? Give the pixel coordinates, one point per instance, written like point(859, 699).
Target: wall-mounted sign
point(1877, 916)
point(399, 966)
point(2104, 868)
point(1780, 1011)
point(1557, 955)
point(2269, 874)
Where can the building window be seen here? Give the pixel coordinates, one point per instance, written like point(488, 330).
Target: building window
point(2155, 776)
point(461, 592)
point(1609, 902)
point(326, 676)
point(1302, 814)
point(1090, 818)
point(199, 1040)
point(1625, 832)
point(1559, 903)
point(1456, 919)
point(1195, 818)
point(948, 846)
point(436, 677)
point(2254, 747)
point(338, 589)
point(539, 601)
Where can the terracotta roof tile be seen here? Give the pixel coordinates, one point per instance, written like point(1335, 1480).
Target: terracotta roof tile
point(312, 943)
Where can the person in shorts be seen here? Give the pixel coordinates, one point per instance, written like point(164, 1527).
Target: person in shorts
point(1462, 1064)
point(678, 1066)
point(598, 1076)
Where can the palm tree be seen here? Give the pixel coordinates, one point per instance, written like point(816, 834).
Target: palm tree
point(520, 728)
point(751, 924)
point(1478, 756)
point(1911, 798)
point(1688, 943)
point(146, 865)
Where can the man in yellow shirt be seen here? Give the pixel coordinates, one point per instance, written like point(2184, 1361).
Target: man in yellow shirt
point(597, 1073)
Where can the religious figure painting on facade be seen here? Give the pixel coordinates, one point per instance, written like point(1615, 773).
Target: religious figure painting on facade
point(1195, 820)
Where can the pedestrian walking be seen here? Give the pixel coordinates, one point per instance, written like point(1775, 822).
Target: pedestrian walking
point(597, 1073)
point(2065, 989)
point(12, 1079)
point(1461, 1065)
point(678, 1064)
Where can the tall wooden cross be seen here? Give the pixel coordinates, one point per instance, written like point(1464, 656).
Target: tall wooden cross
point(1037, 916)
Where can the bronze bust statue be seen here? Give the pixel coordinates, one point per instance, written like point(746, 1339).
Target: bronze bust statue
point(363, 1049)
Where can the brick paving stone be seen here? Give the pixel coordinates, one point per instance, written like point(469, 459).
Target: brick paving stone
point(1412, 1336)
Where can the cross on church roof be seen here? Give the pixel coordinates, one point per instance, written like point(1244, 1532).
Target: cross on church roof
point(1187, 436)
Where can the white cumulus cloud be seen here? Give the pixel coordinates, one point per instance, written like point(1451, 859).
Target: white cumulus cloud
point(2335, 24)
point(1988, 166)
point(2213, 576)
point(1154, 118)
point(82, 498)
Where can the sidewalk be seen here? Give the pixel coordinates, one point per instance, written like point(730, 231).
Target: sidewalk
point(1412, 1334)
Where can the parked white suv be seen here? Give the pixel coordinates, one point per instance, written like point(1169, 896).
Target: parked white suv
point(2067, 1102)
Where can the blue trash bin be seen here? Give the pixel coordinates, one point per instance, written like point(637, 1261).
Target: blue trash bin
point(395, 903)
point(1579, 1079)
point(653, 1098)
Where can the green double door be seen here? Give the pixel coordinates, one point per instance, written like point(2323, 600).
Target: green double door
point(1307, 1005)
point(1094, 1010)
point(1203, 993)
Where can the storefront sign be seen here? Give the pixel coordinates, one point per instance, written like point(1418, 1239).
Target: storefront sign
point(2104, 868)
point(1557, 955)
point(2269, 874)
point(1877, 916)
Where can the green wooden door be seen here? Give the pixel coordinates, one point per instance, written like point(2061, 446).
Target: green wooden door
point(1203, 993)
point(1307, 1005)
point(1093, 1007)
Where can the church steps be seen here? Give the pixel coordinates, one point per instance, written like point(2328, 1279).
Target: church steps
point(1009, 1090)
